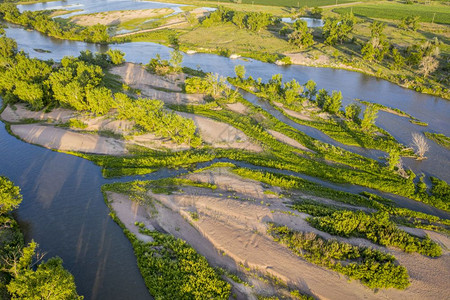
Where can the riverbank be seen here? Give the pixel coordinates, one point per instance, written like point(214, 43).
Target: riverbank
point(230, 222)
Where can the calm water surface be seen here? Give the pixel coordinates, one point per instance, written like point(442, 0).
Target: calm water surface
point(433, 110)
point(63, 208)
point(89, 7)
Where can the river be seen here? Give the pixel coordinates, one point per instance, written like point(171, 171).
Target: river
point(63, 208)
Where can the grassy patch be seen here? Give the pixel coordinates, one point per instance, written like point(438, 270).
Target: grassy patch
point(229, 38)
point(397, 11)
point(439, 138)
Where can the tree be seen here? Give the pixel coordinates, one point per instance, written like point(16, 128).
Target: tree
point(337, 30)
point(301, 36)
point(176, 58)
point(8, 49)
point(428, 65)
point(370, 115)
point(352, 112)
point(410, 22)
point(376, 29)
point(311, 89)
point(116, 56)
point(10, 197)
point(239, 70)
point(257, 21)
point(239, 19)
point(322, 98)
point(420, 143)
point(99, 100)
point(49, 281)
point(399, 61)
point(333, 103)
point(393, 159)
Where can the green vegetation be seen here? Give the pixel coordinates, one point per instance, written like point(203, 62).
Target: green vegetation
point(396, 11)
point(170, 267)
point(19, 276)
point(58, 28)
point(163, 67)
point(439, 138)
point(345, 129)
point(375, 227)
point(174, 270)
point(10, 197)
point(49, 281)
point(295, 3)
point(372, 267)
point(388, 109)
point(80, 83)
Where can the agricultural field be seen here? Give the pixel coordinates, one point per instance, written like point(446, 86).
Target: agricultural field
point(436, 12)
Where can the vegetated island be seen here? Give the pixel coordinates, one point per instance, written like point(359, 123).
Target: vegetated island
point(407, 46)
point(253, 218)
point(439, 138)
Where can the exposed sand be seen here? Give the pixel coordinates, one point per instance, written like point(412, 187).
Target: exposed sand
point(292, 113)
point(304, 59)
point(117, 17)
point(136, 74)
point(232, 218)
point(65, 140)
point(238, 107)
point(137, 77)
point(221, 135)
point(59, 115)
point(285, 139)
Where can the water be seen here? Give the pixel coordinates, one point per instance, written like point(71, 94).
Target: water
point(310, 22)
point(433, 110)
point(64, 212)
point(89, 7)
point(63, 208)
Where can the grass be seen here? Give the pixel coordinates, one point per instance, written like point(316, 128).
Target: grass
point(439, 138)
point(234, 40)
point(397, 11)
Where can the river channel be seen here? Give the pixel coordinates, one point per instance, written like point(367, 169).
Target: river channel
point(63, 208)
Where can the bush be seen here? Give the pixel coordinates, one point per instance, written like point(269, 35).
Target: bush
point(174, 270)
point(373, 268)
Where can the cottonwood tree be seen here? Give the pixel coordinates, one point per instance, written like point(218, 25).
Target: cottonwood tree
point(301, 36)
point(240, 71)
point(352, 112)
point(399, 60)
point(115, 56)
point(10, 197)
point(428, 65)
point(370, 115)
point(176, 59)
point(420, 144)
point(393, 159)
point(310, 89)
point(337, 30)
point(49, 281)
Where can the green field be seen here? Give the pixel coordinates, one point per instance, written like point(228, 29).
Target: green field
point(297, 3)
point(397, 11)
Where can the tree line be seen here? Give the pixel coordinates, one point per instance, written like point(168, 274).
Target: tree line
point(79, 83)
point(43, 22)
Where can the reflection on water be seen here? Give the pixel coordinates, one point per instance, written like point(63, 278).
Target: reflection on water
point(433, 110)
point(310, 22)
point(63, 207)
point(64, 212)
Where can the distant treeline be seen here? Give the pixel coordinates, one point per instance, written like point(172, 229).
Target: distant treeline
point(43, 22)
